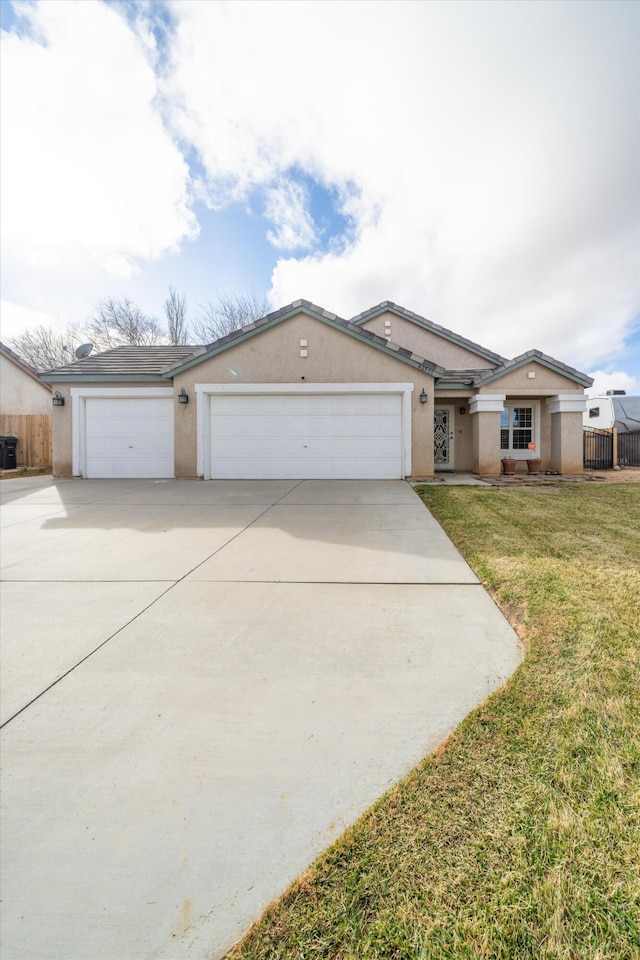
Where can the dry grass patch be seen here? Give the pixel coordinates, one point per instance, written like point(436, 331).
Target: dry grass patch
point(520, 836)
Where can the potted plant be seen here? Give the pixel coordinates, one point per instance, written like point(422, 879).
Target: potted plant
point(509, 465)
point(534, 465)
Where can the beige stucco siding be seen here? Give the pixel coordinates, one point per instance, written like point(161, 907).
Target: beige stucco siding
point(61, 433)
point(566, 443)
point(426, 344)
point(545, 382)
point(333, 357)
point(20, 393)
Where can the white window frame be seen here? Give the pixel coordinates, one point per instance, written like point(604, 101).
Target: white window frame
point(535, 430)
point(79, 396)
point(206, 390)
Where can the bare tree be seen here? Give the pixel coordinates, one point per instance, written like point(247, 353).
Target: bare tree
point(175, 308)
point(118, 323)
point(229, 312)
point(46, 347)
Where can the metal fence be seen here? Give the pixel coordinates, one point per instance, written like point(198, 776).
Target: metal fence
point(597, 449)
point(629, 449)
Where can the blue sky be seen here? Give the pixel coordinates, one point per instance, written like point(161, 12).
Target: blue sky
point(476, 162)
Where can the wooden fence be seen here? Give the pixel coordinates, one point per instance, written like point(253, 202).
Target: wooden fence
point(34, 437)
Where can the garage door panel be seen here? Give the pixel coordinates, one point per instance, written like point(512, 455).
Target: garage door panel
point(324, 436)
point(129, 437)
point(146, 448)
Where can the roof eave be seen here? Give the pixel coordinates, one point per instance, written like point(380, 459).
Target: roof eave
point(246, 333)
point(430, 327)
point(104, 378)
point(535, 357)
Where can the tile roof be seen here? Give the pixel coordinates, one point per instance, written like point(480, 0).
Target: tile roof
point(389, 305)
point(333, 319)
point(539, 357)
point(124, 362)
point(163, 361)
point(469, 377)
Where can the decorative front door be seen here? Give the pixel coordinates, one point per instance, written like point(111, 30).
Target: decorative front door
point(443, 438)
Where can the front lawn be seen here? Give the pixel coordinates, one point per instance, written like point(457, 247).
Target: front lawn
point(520, 837)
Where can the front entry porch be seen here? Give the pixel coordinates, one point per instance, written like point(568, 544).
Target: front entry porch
point(473, 434)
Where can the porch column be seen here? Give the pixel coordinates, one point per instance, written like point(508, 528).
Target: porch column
point(566, 432)
point(486, 409)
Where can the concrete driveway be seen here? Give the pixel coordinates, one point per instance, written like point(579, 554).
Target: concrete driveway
point(204, 683)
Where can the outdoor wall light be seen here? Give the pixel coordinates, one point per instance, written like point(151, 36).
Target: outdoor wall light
point(423, 397)
point(57, 399)
point(463, 409)
point(183, 396)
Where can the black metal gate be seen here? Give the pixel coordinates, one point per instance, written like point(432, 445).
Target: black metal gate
point(597, 449)
point(629, 449)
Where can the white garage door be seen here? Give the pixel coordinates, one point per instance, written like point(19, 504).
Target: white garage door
point(129, 437)
point(275, 436)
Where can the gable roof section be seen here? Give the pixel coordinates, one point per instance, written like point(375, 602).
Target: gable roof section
point(122, 363)
point(318, 313)
point(538, 357)
point(19, 362)
point(387, 306)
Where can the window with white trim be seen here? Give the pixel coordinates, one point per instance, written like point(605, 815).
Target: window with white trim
point(516, 428)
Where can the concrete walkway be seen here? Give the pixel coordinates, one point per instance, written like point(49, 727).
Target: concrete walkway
point(203, 685)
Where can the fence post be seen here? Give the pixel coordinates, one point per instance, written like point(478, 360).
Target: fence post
point(615, 447)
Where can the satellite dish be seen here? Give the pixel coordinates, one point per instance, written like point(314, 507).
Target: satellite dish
point(83, 350)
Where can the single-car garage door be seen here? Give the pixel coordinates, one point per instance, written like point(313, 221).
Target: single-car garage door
point(276, 436)
point(129, 437)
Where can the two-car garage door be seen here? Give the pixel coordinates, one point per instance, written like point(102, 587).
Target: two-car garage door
point(306, 436)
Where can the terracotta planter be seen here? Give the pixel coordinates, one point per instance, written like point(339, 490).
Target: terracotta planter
point(509, 466)
point(534, 466)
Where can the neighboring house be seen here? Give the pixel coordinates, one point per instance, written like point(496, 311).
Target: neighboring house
point(302, 393)
point(21, 390)
point(615, 409)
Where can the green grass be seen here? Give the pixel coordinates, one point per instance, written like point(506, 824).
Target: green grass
point(520, 837)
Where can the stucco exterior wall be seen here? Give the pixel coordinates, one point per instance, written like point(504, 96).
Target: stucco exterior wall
point(61, 433)
point(486, 443)
point(566, 443)
point(426, 344)
point(20, 393)
point(545, 382)
point(333, 357)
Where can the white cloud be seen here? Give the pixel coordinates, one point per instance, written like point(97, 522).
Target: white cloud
point(286, 207)
point(603, 381)
point(15, 318)
point(492, 149)
point(485, 156)
point(92, 181)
